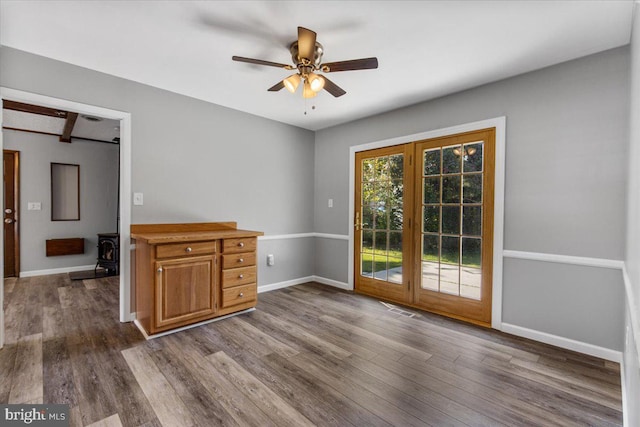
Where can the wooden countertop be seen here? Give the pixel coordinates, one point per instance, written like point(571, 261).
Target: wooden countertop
point(157, 234)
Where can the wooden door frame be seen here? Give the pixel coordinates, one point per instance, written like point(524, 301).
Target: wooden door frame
point(499, 123)
point(16, 210)
point(126, 314)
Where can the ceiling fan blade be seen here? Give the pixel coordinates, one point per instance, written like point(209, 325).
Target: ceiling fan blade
point(333, 88)
point(354, 64)
point(306, 43)
point(276, 87)
point(261, 62)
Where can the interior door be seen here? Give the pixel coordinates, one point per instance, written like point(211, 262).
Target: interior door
point(382, 234)
point(11, 202)
point(454, 242)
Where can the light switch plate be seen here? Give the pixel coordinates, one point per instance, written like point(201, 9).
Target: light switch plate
point(34, 206)
point(138, 199)
point(330, 203)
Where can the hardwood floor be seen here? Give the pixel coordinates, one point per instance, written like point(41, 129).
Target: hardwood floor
point(309, 355)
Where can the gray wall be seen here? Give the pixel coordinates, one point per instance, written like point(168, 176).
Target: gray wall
point(194, 161)
point(98, 196)
point(632, 259)
point(566, 151)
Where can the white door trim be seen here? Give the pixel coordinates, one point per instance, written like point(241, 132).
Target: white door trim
point(125, 184)
point(499, 123)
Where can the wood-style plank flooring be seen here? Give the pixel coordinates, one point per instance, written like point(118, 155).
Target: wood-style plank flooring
point(309, 355)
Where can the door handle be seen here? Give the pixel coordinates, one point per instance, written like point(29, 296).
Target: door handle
point(8, 210)
point(8, 221)
point(357, 221)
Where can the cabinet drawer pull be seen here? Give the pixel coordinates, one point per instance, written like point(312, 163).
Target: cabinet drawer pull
point(188, 249)
point(160, 270)
point(241, 244)
point(241, 260)
point(241, 276)
point(241, 295)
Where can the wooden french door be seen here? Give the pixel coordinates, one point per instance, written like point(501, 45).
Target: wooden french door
point(454, 240)
point(383, 196)
point(11, 203)
point(446, 217)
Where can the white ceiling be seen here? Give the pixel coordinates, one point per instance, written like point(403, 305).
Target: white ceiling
point(426, 49)
point(103, 129)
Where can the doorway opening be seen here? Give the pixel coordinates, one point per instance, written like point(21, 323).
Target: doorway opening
point(123, 188)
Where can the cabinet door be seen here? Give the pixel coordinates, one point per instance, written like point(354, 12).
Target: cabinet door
point(185, 291)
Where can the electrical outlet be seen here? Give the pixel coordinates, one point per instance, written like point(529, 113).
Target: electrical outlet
point(330, 203)
point(270, 260)
point(138, 199)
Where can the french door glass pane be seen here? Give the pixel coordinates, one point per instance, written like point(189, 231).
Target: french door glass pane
point(451, 189)
point(470, 271)
point(366, 265)
point(382, 213)
point(472, 220)
point(431, 190)
point(452, 219)
point(472, 188)
point(431, 261)
point(432, 162)
point(451, 162)
point(472, 158)
point(431, 219)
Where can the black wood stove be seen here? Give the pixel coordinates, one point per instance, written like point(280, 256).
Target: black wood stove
point(109, 253)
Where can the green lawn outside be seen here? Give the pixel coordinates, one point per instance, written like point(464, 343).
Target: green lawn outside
point(395, 260)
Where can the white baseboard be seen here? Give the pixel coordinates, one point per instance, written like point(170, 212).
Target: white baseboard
point(301, 280)
point(33, 273)
point(566, 343)
point(331, 282)
point(286, 284)
point(623, 387)
point(632, 307)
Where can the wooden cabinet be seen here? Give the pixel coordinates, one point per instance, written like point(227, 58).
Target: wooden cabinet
point(239, 272)
point(189, 273)
point(185, 290)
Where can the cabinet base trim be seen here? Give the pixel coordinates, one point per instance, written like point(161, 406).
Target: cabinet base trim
point(183, 328)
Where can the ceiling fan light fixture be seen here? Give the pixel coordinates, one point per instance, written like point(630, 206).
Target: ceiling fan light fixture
point(292, 82)
point(316, 82)
point(307, 91)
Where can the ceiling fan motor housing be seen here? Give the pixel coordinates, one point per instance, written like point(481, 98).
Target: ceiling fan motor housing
point(313, 62)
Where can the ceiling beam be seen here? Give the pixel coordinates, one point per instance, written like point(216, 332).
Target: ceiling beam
point(68, 127)
point(34, 109)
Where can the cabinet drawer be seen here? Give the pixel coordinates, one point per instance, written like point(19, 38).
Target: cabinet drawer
point(238, 295)
point(238, 260)
point(187, 248)
point(245, 244)
point(238, 276)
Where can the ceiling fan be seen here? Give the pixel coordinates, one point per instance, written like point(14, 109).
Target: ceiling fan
point(306, 54)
